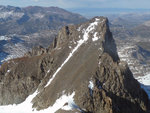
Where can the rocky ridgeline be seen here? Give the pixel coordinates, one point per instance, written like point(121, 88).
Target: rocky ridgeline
point(81, 71)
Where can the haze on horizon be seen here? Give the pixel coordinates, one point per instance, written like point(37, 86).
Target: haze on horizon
point(85, 7)
point(134, 4)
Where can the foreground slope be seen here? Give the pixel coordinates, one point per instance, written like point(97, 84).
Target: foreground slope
point(80, 72)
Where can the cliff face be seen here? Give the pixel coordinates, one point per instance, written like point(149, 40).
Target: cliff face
point(80, 72)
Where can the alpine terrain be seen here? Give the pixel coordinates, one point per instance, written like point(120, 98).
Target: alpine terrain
point(80, 72)
point(131, 33)
point(23, 28)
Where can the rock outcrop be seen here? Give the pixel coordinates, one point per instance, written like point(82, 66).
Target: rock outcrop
point(81, 70)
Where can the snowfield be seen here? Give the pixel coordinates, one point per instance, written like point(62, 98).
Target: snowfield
point(145, 83)
point(26, 106)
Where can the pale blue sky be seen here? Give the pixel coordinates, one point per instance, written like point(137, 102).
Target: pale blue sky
point(80, 3)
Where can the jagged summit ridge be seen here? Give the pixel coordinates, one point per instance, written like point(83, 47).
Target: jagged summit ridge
point(80, 72)
point(82, 40)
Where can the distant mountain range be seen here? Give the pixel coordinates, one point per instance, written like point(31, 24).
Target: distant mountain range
point(90, 12)
point(23, 28)
point(15, 20)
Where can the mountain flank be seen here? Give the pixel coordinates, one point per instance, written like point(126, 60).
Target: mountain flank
point(80, 72)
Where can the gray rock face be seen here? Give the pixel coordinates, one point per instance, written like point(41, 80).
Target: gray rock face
point(83, 62)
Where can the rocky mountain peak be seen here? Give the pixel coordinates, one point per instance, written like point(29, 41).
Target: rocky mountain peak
point(92, 31)
point(80, 72)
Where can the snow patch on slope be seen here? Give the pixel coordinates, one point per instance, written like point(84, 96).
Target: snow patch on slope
point(145, 83)
point(91, 86)
point(26, 106)
point(7, 14)
point(4, 38)
point(38, 15)
point(59, 104)
point(144, 79)
point(95, 37)
point(69, 101)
